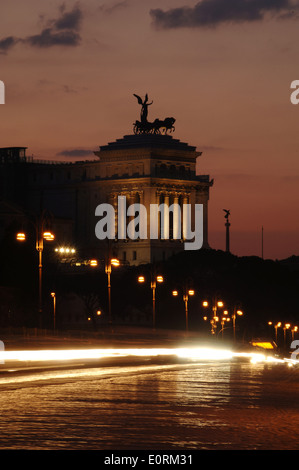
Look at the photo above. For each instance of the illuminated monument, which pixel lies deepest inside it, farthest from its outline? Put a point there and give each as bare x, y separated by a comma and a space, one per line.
148, 166
151, 167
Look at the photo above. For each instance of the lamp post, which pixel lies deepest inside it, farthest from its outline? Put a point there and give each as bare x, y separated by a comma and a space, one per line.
293, 331
278, 325
154, 280
53, 294
214, 320
108, 268
234, 316
186, 294
224, 319
285, 328
41, 234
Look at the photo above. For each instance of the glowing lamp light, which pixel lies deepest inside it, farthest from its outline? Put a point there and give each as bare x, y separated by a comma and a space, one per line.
191, 292
141, 278
220, 303
175, 293
99, 312
48, 236
115, 262
160, 279
21, 236
93, 262
205, 303
239, 312
66, 250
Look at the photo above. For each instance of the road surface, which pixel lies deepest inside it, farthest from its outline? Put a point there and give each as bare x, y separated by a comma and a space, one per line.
151, 405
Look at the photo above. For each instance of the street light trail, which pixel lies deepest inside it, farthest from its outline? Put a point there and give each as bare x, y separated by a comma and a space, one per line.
89, 354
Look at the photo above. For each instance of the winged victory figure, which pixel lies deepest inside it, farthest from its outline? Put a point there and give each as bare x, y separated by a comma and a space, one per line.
144, 105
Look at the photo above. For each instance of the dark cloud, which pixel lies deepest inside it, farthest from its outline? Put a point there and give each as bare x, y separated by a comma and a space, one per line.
70, 20
48, 38
215, 12
75, 153
63, 31
109, 9
7, 43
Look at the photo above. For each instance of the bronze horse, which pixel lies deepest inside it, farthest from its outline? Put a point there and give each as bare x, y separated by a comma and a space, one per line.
156, 127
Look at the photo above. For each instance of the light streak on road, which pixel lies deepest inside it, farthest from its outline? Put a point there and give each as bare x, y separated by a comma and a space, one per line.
81, 354
195, 354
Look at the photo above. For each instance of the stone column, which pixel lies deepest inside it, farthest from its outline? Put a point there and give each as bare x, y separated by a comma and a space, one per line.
113, 202
176, 218
158, 199
185, 216
166, 218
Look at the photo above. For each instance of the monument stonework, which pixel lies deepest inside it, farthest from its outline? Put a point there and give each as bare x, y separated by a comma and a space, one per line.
149, 166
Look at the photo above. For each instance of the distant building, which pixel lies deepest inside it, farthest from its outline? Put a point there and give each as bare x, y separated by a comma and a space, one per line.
145, 168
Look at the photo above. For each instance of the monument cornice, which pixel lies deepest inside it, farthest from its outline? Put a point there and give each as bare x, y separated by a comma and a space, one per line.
159, 184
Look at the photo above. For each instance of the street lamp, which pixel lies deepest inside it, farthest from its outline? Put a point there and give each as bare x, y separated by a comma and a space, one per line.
293, 331
278, 325
154, 280
108, 268
214, 320
65, 251
41, 234
93, 263
234, 316
286, 327
21, 236
186, 294
54, 308
223, 321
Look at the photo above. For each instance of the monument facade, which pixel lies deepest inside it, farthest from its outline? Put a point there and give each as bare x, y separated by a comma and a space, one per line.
149, 166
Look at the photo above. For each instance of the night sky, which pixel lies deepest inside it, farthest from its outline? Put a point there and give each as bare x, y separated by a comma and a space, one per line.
222, 68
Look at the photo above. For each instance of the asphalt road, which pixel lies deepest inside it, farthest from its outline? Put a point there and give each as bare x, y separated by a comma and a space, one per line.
150, 404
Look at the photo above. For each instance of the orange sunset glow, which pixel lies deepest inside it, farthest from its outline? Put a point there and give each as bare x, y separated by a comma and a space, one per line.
222, 69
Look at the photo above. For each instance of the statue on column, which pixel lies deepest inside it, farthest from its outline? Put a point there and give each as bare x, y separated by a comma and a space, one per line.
227, 225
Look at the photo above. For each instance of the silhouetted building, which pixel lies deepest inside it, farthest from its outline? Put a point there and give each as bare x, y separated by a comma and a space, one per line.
145, 168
